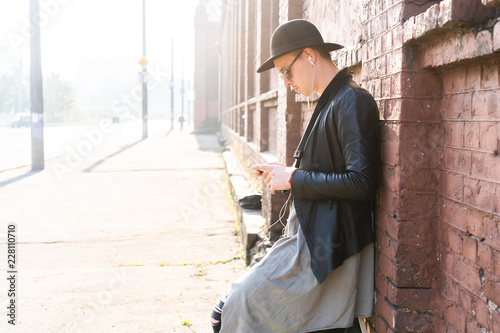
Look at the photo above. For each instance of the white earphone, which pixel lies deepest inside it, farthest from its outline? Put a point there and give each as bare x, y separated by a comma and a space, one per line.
310, 59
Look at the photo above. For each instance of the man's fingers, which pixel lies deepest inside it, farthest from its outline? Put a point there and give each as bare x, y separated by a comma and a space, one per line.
268, 178
264, 167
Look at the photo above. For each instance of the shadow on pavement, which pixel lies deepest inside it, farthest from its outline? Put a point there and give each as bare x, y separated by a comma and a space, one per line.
90, 168
18, 178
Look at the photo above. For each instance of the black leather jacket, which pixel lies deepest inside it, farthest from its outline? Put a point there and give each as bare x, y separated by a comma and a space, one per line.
336, 182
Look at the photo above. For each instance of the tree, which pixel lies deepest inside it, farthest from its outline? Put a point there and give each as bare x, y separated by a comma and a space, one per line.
58, 97
14, 92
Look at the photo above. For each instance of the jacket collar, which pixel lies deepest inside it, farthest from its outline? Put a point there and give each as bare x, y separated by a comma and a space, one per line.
332, 87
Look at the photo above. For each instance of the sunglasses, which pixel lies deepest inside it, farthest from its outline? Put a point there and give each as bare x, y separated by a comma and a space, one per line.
286, 73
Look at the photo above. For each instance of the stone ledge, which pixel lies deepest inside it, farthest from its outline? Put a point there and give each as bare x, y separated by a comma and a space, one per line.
446, 16
491, 3
453, 48
250, 221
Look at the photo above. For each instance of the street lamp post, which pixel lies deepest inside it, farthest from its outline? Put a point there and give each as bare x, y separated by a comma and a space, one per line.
36, 90
172, 86
144, 75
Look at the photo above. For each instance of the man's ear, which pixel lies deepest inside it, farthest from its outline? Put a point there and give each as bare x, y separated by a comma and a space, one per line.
310, 54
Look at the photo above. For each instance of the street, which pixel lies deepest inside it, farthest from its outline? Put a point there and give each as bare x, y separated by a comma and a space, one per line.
60, 140
117, 234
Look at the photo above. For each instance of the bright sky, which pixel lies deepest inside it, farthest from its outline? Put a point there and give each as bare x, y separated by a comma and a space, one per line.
102, 34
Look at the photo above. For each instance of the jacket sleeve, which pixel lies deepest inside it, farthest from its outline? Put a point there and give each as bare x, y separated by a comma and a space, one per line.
357, 127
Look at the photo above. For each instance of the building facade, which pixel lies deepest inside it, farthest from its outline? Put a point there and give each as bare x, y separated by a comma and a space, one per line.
434, 70
206, 112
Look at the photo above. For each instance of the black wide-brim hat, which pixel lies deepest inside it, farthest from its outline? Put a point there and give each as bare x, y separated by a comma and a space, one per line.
293, 35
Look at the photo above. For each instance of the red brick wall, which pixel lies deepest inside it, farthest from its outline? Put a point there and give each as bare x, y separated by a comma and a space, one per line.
469, 236
433, 68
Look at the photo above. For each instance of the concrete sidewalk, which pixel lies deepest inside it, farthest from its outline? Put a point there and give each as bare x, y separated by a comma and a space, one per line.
140, 237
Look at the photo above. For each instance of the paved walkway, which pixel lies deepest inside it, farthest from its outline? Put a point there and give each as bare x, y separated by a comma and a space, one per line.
135, 237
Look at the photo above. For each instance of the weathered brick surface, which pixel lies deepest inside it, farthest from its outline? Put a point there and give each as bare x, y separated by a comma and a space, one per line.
433, 68
471, 195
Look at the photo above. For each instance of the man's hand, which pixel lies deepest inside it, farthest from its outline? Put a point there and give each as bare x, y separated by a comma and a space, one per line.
276, 175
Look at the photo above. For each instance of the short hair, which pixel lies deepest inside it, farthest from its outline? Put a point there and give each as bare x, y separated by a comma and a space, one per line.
322, 51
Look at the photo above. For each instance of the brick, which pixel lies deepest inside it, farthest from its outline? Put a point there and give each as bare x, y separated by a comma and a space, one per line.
456, 106
496, 320
413, 299
473, 74
394, 61
420, 143
381, 326
457, 160
379, 24
387, 267
390, 176
483, 315
387, 224
471, 190
431, 17
484, 104
490, 75
491, 231
486, 196
440, 325
473, 224
389, 201
472, 326
489, 137
386, 87
485, 256
454, 133
397, 35
443, 230
485, 166
467, 301
452, 185
394, 16
381, 284
413, 322
495, 257
492, 288
454, 80
467, 46
389, 131
386, 41
395, 83
455, 317
451, 289
387, 245
496, 37
421, 83
419, 179
484, 43
471, 134
466, 273
455, 241
392, 110
387, 312
364, 12
450, 50
457, 215
470, 248
409, 29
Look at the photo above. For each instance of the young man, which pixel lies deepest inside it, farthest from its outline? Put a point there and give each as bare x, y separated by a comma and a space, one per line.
320, 275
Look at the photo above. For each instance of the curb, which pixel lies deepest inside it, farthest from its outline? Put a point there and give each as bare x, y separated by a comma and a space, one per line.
250, 221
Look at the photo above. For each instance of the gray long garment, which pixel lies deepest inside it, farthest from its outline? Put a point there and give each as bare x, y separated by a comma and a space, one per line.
281, 295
